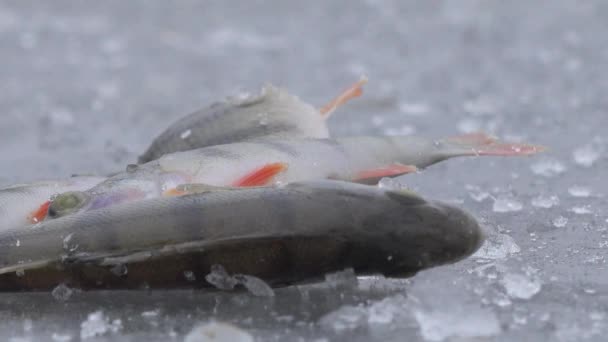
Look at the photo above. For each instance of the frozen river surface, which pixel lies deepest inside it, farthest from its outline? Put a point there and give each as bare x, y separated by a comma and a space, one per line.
85, 86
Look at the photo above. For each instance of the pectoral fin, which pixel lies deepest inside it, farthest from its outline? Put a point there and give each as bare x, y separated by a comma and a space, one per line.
40, 214
373, 175
261, 176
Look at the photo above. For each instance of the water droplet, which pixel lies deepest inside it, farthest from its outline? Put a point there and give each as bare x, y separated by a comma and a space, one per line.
185, 134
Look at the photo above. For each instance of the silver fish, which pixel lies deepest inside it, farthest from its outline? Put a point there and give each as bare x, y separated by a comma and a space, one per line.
272, 113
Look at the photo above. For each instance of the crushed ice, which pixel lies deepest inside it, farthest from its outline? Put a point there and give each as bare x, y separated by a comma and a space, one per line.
521, 286
579, 191
218, 332
586, 155
497, 246
220, 278
548, 168
97, 324
560, 222
506, 204
544, 201
62, 292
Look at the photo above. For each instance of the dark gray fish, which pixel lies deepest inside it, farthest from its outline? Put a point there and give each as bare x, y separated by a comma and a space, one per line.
286, 235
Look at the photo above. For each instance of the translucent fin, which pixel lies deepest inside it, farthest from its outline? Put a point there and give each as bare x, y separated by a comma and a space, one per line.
261, 176
373, 175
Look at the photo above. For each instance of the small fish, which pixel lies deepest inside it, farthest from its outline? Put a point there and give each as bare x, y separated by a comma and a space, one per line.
273, 112
25, 204
279, 161
296, 233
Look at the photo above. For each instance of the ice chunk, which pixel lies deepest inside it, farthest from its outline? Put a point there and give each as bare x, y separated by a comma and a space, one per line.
58, 337
586, 155
224, 281
505, 204
560, 222
579, 191
546, 202
345, 278
476, 193
345, 318
581, 210
98, 324
497, 246
413, 108
218, 332
548, 168
461, 321
220, 278
254, 285
62, 293
189, 275
520, 286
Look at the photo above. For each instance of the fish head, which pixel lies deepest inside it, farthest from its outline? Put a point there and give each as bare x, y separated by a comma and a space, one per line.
422, 234
68, 203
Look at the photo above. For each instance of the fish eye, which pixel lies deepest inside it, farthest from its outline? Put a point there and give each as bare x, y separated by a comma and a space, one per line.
66, 203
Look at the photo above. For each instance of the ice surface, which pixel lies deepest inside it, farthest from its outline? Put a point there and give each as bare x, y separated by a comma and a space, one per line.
218, 332
85, 87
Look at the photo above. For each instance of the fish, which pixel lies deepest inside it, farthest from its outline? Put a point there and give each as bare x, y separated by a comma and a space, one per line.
283, 235
271, 113
24, 204
272, 162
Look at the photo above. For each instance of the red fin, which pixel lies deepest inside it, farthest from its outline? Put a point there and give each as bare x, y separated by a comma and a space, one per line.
477, 138
506, 149
261, 176
40, 214
353, 91
386, 171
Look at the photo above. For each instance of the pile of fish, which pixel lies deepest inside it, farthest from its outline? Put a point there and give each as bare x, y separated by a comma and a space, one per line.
253, 185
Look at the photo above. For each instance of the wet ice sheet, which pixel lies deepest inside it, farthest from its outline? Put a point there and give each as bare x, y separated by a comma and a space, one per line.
86, 87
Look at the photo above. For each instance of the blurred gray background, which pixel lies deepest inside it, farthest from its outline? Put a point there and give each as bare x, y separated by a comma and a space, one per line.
85, 86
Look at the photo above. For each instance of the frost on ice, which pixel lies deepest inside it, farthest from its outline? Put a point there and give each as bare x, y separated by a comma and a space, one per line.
506, 204
218, 332
579, 191
545, 202
548, 168
586, 155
